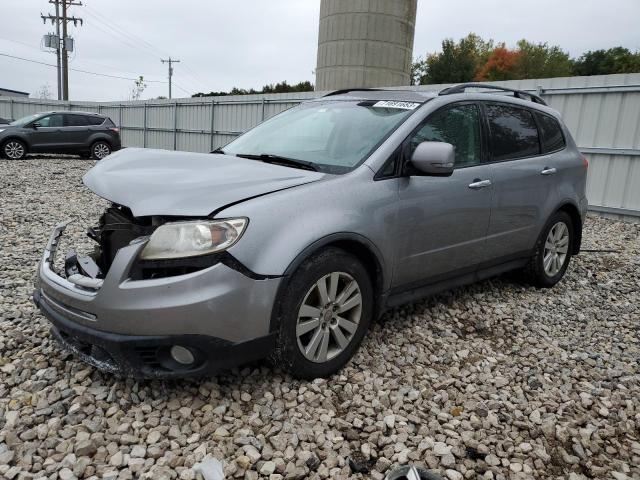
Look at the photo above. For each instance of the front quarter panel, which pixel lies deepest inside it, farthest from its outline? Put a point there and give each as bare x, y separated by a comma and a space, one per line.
284, 224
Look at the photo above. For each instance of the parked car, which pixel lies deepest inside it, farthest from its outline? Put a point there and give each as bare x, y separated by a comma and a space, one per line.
291, 239
81, 133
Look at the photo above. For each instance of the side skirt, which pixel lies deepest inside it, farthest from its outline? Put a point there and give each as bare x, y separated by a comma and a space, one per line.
401, 295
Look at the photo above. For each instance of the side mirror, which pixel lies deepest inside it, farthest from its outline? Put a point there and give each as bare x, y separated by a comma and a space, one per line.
434, 158
35, 125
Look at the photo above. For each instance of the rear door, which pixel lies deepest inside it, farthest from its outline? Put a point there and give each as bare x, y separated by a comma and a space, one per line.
443, 221
76, 130
47, 136
524, 180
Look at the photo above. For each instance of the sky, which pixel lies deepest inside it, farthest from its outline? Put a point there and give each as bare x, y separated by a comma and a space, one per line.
249, 43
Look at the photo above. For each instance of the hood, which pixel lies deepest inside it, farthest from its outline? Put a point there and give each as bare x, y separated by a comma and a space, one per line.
163, 182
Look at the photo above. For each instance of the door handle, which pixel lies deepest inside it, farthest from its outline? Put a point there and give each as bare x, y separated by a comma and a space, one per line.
477, 184
548, 171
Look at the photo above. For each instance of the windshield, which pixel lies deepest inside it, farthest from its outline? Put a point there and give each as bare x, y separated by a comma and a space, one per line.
334, 136
21, 122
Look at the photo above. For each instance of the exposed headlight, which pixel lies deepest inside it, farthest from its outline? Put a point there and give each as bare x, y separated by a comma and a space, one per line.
193, 238
2, 130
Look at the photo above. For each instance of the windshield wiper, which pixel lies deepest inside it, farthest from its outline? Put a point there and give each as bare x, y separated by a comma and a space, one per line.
217, 150
279, 160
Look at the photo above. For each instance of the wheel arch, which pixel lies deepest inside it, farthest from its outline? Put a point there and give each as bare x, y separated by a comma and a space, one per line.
576, 219
16, 137
100, 138
355, 244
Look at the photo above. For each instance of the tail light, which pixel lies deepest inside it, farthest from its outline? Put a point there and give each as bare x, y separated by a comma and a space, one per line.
585, 162
115, 129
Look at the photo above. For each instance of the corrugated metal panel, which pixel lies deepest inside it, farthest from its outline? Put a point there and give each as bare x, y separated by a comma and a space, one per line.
602, 112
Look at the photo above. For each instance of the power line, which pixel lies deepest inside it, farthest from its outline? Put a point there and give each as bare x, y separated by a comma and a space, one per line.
78, 70
82, 60
127, 32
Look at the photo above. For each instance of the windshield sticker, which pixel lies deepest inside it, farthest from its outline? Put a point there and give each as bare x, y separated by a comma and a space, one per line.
393, 104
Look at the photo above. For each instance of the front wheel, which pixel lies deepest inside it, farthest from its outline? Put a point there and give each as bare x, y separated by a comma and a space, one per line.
14, 149
552, 252
100, 149
323, 314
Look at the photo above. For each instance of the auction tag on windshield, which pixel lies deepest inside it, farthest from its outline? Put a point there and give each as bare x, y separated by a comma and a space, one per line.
393, 104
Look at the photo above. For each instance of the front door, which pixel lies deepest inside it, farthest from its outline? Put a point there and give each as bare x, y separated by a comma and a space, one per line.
443, 221
47, 135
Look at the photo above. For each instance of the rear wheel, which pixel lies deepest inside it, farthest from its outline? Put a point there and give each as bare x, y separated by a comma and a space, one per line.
14, 149
552, 252
100, 149
324, 314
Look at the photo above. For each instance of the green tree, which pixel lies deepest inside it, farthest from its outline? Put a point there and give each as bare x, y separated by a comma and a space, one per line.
542, 61
457, 62
605, 62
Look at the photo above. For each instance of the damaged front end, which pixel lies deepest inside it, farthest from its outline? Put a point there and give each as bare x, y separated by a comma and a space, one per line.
126, 314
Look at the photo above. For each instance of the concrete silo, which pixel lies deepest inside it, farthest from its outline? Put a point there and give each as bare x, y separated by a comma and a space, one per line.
365, 43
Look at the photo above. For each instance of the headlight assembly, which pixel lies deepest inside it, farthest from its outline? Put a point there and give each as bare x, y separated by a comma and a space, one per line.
193, 238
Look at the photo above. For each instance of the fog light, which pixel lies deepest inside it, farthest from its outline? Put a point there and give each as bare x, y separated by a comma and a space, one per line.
182, 355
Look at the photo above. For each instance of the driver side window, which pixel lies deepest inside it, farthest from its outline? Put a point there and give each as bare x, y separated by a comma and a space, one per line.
458, 125
51, 121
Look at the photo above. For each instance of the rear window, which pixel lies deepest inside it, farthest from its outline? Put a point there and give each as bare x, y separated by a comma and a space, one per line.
91, 120
551, 133
513, 132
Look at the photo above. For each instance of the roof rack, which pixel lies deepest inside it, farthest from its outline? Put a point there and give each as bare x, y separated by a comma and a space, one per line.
347, 90
516, 93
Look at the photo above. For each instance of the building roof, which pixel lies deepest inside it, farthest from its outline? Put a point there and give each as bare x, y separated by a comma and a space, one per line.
14, 91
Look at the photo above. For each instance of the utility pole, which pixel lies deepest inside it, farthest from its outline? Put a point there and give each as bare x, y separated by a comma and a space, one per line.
58, 52
67, 43
170, 61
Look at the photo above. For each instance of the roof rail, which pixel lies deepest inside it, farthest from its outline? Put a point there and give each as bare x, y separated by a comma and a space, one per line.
347, 90
516, 93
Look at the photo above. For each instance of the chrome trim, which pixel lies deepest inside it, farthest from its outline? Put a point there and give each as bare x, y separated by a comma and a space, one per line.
480, 184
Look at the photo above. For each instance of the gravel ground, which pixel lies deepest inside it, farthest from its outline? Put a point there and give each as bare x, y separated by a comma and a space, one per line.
496, 380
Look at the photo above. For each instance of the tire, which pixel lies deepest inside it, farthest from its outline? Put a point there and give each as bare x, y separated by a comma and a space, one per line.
343, 331
100, 149
541, 271
14, 149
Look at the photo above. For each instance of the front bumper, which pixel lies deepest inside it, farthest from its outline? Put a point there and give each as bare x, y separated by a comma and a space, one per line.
127, 326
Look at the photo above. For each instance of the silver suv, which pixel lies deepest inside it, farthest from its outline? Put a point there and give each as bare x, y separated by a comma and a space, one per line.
291, 239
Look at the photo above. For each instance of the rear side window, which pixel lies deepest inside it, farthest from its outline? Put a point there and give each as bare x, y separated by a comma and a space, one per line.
75, 120
94, 120
110, 123
551, 133
513, 132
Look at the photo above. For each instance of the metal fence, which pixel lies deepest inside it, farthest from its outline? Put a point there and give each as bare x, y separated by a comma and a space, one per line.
602, 112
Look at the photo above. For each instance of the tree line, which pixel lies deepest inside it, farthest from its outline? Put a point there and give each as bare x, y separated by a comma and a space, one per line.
281, 87
475, 59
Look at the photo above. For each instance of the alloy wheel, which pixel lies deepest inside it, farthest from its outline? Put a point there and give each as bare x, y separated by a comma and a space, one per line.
329, 316
14, 150
556, 248
101, 150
